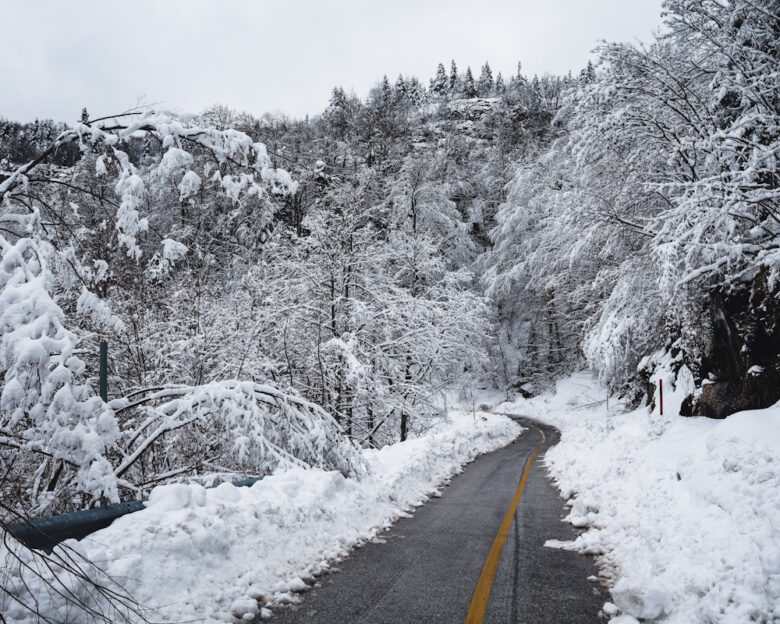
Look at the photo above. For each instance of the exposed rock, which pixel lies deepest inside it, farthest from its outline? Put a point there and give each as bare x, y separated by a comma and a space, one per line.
472, 109
741, 369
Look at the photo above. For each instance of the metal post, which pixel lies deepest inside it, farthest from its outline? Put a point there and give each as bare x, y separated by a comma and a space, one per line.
103, 370
661, 395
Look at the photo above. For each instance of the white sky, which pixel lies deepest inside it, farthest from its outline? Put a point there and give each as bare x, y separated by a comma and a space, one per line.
59, 55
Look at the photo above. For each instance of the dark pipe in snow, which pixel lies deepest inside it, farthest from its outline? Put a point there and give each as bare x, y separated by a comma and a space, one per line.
46, 533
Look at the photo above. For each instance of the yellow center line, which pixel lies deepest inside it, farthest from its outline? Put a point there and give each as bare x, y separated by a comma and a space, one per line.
479, 600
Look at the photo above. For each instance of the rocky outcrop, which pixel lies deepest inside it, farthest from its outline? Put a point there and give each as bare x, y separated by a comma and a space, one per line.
741, 368
472, 109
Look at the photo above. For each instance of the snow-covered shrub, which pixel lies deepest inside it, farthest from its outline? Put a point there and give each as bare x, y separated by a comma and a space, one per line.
228, 427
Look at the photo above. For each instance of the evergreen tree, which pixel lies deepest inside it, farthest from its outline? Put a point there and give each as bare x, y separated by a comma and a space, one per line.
485, 85
588, 74
516, 81
386, 91
337, 114
453, 76
469, 88
415, 91
500, 86
439, 82
401, 93
84, 115
401, 88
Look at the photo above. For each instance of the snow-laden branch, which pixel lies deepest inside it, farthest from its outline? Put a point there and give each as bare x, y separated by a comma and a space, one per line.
252, 429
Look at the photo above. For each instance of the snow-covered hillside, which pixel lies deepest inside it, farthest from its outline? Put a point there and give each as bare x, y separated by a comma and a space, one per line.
227, 552
684, 513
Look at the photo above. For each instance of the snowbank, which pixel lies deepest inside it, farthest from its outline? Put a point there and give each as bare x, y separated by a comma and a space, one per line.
229, 552
684, 512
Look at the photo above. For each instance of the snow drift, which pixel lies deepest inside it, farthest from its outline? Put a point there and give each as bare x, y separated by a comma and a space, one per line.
682, 512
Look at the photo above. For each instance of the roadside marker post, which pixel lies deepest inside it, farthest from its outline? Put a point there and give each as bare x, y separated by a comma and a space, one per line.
103, 381
661, 396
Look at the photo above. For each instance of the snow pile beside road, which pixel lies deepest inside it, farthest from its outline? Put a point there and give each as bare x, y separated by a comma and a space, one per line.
685, 512
229, 552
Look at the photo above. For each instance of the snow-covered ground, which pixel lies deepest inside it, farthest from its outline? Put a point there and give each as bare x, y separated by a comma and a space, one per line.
683, 512
228, 552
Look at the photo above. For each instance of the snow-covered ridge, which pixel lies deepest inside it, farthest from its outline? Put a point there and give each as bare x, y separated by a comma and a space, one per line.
683, 512
227, 552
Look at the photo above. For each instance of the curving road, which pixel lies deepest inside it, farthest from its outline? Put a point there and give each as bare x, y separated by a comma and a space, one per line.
436, 565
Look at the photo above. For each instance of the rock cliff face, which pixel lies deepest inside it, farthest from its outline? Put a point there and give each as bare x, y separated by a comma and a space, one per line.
472, 109
731, 359
741, 368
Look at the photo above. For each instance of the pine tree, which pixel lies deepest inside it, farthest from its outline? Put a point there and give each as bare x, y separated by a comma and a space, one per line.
469, 88
439, 82
84, 115
337, 113
453, 76
387, 90
415, 91
400, 87
500, 86
401, 93
588, 74
485, 85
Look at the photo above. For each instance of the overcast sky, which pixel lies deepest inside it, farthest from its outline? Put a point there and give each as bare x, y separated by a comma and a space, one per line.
59, 55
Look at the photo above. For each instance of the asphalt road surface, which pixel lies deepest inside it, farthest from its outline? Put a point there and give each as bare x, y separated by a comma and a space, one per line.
432, 566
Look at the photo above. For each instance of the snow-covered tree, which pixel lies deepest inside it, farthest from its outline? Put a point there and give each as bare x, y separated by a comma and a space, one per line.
485, 86
439, 81
58, 437
500, 86
469, 87
661, 193
453, 78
